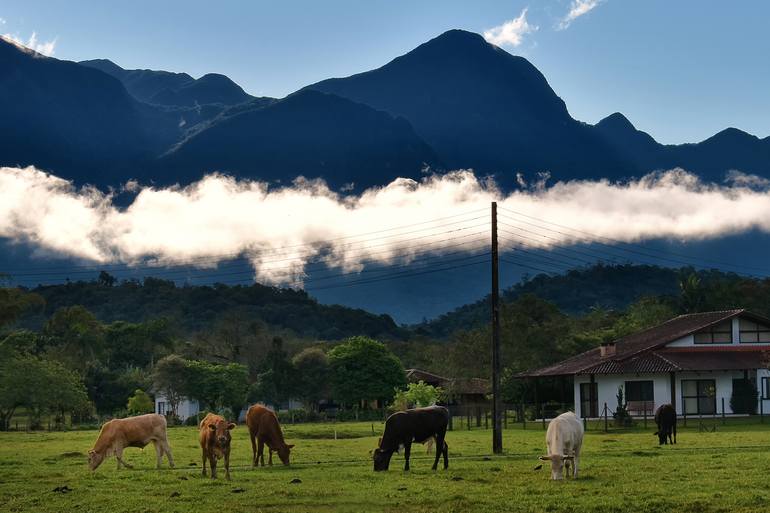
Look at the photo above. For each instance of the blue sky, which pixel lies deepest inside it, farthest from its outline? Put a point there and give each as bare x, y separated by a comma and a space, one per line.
680, 70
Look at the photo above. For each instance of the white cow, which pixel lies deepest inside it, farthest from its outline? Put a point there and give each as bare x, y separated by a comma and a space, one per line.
564, 439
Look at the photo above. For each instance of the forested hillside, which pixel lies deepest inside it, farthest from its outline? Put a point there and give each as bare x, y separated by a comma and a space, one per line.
193, 309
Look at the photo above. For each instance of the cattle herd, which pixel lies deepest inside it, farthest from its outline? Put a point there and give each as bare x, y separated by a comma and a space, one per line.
564, 438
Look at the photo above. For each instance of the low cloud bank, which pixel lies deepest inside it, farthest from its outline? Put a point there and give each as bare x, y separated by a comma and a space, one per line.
281, 230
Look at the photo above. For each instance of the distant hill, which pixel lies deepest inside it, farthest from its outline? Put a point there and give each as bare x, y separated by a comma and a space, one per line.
311, 134
142, 84
192, 309
576, 292
211, 88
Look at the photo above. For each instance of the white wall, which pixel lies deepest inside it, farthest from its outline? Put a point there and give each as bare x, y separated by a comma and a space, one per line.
689, 340
607, 387
185, 409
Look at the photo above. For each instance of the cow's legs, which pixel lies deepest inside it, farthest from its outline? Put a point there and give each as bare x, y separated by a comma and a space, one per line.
167, 450
253, 449
269, 456
227, 464
203, 451
407, 450
440, 449
119, 457
213, 465
158, 452
575, 463
674, 429
261, 452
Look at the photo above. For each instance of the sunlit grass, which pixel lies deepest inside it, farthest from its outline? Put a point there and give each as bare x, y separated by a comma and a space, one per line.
727, 470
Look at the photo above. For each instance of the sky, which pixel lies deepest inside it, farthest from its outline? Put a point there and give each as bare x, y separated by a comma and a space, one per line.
681, 71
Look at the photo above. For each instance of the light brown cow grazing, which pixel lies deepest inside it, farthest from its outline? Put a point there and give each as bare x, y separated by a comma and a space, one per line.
264, 429
215, 442
117, 434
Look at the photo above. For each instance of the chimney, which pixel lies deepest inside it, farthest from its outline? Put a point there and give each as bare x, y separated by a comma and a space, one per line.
607, 349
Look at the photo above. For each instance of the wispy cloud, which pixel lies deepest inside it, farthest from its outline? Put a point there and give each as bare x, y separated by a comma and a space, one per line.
577, 9
2, 21
512, 32
219, 217
42, 47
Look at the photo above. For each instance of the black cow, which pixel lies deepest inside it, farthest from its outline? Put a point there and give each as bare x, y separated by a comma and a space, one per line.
665, 418
417, 425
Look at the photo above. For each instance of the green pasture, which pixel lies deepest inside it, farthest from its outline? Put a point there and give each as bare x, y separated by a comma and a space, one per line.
622, 471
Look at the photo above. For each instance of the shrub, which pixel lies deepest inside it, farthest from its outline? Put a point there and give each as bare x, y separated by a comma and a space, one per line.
744, 398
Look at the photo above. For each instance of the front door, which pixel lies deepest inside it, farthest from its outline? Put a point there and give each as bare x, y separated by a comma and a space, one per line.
589, 400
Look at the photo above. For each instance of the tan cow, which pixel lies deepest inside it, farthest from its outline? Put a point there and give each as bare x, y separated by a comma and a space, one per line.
117, 434
215, 442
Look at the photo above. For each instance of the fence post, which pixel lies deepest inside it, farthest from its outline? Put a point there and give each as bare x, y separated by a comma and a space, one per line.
486, 420
468, 418
585, 423
761, 410
606, 425
451, 417
684, 416
523, 418
644, 409
542, 414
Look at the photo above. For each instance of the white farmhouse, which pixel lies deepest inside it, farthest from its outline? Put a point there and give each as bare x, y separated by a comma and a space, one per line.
692, 361
185, 409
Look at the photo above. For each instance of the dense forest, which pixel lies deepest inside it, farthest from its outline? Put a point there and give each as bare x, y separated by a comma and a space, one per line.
101, 346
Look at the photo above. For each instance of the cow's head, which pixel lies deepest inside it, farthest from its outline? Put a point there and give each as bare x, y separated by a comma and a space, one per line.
381, 459
94, 459
557, 465
661, 437
284, 452
221, 431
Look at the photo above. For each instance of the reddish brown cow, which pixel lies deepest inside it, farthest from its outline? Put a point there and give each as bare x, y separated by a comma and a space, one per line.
215, 442
117, 434
265, 429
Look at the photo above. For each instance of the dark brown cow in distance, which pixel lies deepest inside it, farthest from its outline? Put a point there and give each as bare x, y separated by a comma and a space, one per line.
215, 443
417, 425
665, 418
265, 429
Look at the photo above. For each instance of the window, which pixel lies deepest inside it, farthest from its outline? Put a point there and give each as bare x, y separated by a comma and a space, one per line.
752, 332
699, 396
589, 400
765, 388
720, 333
161, 408
639, 391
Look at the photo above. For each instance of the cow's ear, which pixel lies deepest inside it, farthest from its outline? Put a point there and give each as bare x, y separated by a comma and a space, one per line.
231, 425
213, 427
91, 451
544, 458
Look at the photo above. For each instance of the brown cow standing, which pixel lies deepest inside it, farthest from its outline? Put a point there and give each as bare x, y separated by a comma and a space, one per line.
265, 429
117, 434
215, 443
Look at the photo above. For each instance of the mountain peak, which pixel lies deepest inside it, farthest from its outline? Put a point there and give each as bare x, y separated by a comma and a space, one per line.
616, 121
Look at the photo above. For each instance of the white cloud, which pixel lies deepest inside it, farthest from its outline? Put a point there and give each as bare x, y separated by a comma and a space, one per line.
279, 230
577, 9
511, 32
46, 48
2, 21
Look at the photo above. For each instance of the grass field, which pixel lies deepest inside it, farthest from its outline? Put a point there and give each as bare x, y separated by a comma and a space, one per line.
727, 471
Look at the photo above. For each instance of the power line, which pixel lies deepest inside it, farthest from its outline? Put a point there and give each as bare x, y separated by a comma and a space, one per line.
624, 243
224, 256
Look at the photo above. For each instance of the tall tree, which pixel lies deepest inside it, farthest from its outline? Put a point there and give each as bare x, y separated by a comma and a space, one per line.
312, 371
170, 379
364, 369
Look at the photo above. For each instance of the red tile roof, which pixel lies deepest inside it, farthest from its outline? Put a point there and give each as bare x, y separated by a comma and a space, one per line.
644, 352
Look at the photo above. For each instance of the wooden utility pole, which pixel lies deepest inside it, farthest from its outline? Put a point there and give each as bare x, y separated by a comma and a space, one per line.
497, 403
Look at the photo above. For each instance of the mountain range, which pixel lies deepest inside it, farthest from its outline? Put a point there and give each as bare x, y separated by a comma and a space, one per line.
455, 101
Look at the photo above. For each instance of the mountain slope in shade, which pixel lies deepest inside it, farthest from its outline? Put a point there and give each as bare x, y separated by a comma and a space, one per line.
310, 134
481, 107
143, 84
68, 118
